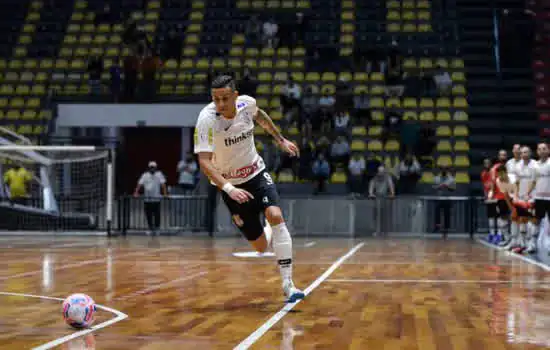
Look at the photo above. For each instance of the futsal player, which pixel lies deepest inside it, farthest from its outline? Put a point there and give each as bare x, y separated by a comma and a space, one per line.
541, 189
525, 175
224, 142
491, 203
503, 212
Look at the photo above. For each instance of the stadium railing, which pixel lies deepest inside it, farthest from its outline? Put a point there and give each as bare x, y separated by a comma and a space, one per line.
309, 216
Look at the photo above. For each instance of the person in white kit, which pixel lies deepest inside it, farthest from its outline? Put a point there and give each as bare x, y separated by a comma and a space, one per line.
511, 240
524, 177
224, 142
512, 163
541, 187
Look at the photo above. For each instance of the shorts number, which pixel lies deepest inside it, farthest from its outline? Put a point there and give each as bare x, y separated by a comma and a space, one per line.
268, 178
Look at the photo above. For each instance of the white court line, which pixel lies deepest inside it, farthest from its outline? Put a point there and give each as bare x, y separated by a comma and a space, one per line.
50, 345
161, 285
515, 255
310, 244
70, 266
433, 281
258, 333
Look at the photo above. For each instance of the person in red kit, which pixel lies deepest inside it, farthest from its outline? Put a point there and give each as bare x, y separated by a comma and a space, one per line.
491, 203
496, 193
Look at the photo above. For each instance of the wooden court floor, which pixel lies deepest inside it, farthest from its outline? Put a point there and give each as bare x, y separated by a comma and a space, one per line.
184, 293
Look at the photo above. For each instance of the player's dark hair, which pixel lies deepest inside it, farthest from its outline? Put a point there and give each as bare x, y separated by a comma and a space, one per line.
223, 81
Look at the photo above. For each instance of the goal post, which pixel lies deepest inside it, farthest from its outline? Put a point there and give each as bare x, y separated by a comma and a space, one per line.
66, 188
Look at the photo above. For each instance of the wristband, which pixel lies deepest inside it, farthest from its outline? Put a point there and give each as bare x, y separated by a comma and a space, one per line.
227, 188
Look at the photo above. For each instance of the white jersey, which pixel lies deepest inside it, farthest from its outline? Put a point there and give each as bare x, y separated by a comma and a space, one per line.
542, 176
511, 169
230, 140
525, 176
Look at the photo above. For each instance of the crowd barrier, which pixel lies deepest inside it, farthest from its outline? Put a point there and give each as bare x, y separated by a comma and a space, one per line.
330, 216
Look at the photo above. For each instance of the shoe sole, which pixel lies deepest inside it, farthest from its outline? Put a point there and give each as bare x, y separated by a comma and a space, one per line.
295, 297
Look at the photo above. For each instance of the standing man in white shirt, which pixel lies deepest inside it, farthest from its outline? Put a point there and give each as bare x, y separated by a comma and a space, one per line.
541, 188
512, 163
356, 168
224, 142
153, 183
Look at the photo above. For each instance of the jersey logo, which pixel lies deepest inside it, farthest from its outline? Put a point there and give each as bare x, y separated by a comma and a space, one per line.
241, 105
230, 141
265, 200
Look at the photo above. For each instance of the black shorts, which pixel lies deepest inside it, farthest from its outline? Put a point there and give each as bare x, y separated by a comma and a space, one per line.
522, 212
492, 211
265, 195
503, 209
542, 208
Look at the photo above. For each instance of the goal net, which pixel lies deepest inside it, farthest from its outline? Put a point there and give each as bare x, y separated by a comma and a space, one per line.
54, 188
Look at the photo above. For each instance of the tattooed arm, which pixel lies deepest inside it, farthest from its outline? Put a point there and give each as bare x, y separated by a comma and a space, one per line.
267, 124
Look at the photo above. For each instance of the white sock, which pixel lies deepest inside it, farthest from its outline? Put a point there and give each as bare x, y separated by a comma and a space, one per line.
282, 246
492, 229
532, 229
268, 232
515, 229
503, 226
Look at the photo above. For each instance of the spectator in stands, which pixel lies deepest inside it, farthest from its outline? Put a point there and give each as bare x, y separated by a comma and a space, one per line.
340, 151
187, 170
131, 66
306, 159
106, 16
392, 125
248, 84
341, 124
95, 68
356, 170
344, 95
153, 184
173, 45
410, 133
381, 185
314, 62
149, 66
361, 105
253, 30
286, 162
310, 104
443, 82
394, 72
16, 182
326, 110
323, 145
372, 165
270, 30
408, 173
299, 29
291, 95
321, 173
444, 184
115, 73
427, 142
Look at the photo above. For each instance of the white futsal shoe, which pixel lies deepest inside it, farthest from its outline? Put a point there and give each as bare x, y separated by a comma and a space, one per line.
292, 293
532, 245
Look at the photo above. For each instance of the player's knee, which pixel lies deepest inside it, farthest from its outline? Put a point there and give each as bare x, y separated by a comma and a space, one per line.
274, 215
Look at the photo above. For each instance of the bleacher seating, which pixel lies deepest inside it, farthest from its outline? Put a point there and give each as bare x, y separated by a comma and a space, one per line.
52, 48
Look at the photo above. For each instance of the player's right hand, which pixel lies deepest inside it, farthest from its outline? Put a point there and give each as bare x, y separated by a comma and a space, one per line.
240, 196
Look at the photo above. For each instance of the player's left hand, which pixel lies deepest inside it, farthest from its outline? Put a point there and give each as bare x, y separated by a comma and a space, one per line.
289, 147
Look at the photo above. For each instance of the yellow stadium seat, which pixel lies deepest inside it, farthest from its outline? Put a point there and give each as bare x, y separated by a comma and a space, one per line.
457, 63
30, 64
360, 76
443, 131
409, 102
391, 146
410, 115
359, 131
171, 64
358, 146
236, 51
426, 103
61, 64
461, 131
299, 52
280, 77
427, 178
377, 102
374, 146
375, 130
442, 62
23, 90
3, 102
275, 102
377, 77
458, 77
276, 115
393, 16
393, 27
443, 102
424, 27
377, 116
283, 51
346, 76
462, 162
312, 77
33, 102
285, 177
359, 89
266, 64
460, 102
78, 64
425, 63
460, 116
15, 64
393, 102
234, 63
426, 116
459, 90
424, 15
202, 64
462, 146
13, 114
409, 63
443, 116
293, 131
444, 161
377, 90
29, 115
328, 76
6, 89
409, 28
263, 89
38, 89
264, 76
188, 51
444, 146
262, 102
11, 77
186, 64
462, 178
168, 77
339, 178
281, 64
17, 102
